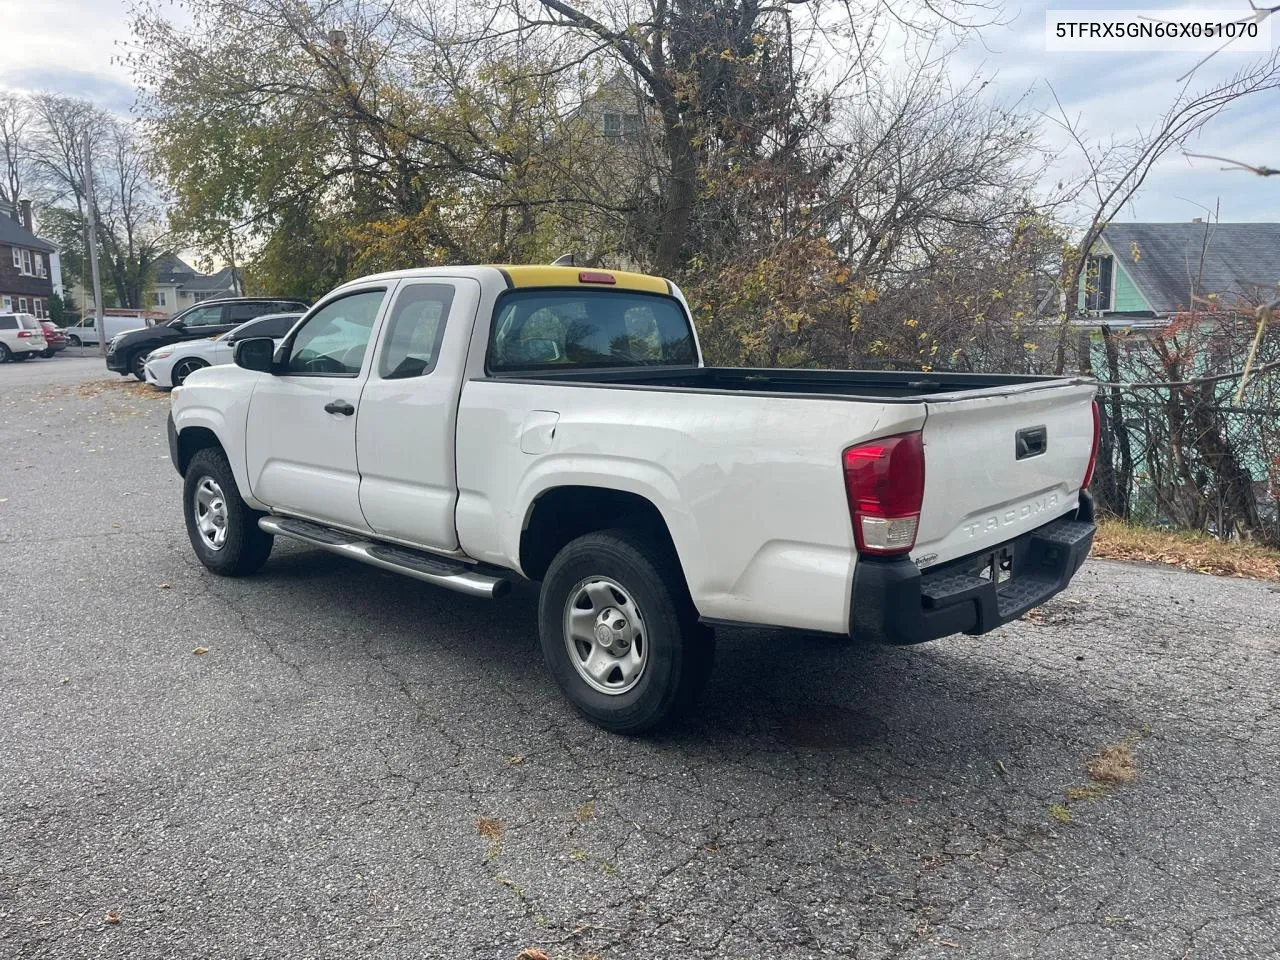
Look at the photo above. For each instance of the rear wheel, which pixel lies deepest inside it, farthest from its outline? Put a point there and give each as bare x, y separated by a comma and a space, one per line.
619, 632
48, 353
185, 368
224, 531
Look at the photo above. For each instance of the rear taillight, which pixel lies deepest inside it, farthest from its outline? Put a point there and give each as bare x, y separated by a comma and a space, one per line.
885, 483
23, 334
1093, 452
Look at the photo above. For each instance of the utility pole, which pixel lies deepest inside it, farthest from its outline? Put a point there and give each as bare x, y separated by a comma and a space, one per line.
93, 246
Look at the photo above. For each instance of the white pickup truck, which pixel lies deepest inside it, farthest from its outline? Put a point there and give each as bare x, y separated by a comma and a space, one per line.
467, 426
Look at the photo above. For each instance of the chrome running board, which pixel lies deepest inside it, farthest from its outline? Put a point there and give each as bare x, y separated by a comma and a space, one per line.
418, 564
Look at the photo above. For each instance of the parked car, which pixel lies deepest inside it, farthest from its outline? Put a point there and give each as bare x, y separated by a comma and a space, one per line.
84, 333
128, 352
466, 426
20, 337
170, 365
54, 337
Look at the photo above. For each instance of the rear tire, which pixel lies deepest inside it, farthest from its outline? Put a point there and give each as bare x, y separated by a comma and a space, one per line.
640, 592
224, 531
48, 354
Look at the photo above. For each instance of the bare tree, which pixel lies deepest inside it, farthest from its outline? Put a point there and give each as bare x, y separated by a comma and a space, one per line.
15, 147
131, 218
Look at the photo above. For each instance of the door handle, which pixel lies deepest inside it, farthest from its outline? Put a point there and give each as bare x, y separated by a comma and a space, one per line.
339, 406
1030, 442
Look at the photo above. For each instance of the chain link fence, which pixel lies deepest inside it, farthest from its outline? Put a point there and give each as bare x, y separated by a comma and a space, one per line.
1201, 466
1179, 450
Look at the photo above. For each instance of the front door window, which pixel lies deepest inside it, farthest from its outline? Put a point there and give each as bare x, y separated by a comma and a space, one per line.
333, 340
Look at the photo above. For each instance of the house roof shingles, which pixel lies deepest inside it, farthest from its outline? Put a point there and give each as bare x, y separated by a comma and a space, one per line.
214, 283
14, 234
171, 268
1240, 260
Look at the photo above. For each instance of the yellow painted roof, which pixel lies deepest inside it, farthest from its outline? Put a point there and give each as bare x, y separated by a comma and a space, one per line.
540, 276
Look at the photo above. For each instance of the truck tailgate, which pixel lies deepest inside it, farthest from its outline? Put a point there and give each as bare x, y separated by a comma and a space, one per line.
999, 464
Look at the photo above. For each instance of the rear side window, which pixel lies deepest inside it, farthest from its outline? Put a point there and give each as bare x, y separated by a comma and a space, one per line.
240, 312
8, 323
564, 329
30, 323
412, 341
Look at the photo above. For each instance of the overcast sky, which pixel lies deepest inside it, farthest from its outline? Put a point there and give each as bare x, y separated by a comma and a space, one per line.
68, 46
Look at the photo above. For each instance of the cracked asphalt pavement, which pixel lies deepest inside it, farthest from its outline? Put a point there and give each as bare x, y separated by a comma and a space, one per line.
362, 765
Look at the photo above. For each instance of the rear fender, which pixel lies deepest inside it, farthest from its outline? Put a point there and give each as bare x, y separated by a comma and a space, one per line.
641, 478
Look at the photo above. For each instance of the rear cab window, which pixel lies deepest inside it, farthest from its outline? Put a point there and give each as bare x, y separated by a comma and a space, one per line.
562, 329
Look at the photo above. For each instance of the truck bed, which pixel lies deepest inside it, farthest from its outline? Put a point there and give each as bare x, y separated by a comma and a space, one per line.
884, 386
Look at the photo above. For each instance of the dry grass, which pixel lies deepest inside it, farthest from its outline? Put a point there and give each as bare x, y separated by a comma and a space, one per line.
1060, 813
1112, 765
489, 827
1203, 554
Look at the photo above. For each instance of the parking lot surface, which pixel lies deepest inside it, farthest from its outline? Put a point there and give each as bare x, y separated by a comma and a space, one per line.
360, 765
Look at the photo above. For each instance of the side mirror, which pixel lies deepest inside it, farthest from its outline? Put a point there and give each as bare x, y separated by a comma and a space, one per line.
255, 353
177, 324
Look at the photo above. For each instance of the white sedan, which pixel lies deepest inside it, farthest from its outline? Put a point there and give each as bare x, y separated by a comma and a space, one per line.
169, 365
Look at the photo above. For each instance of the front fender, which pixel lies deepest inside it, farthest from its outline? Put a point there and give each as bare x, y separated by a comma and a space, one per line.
217, 399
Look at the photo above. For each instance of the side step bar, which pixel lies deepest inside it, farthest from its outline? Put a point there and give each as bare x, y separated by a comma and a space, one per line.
441, 571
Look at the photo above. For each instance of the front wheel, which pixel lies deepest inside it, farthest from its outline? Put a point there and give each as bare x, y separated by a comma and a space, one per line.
73, 340
184, 369
619, 632
137, 366
224, 531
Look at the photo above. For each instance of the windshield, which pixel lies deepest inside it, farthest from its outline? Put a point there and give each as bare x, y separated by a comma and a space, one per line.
565, 329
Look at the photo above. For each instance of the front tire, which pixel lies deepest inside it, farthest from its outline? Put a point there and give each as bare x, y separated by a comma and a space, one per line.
224, 531
138, 363
619, 631
184, 369
5, 354
74, 340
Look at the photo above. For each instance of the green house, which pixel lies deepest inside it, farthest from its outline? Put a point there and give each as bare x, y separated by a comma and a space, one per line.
1140, 274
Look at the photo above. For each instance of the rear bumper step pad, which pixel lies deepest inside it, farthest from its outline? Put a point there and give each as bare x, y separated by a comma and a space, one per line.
894, 602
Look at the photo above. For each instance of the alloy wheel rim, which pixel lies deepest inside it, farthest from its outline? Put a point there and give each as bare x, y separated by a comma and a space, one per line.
184, 370
209, 507
605, 635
